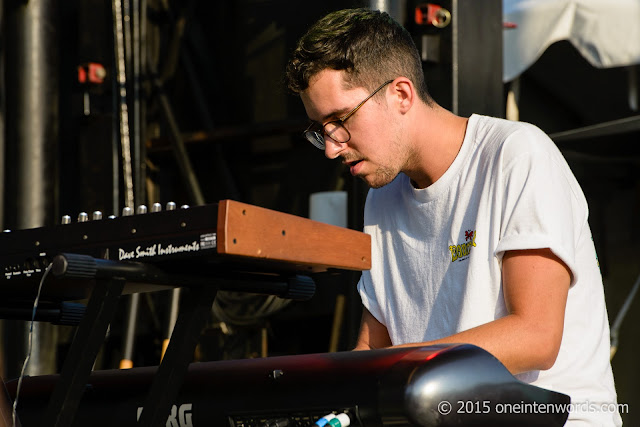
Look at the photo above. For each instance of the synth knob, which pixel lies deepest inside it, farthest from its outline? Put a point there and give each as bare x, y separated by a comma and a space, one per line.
184, 207
96, 215
83, 217
171, 206
142, 209
71, 313
6, 230
66, 219
74, 266
127, 211
301, 288
112, 217
157, 207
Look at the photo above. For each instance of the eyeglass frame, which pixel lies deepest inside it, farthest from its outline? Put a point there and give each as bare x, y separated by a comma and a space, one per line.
320, 143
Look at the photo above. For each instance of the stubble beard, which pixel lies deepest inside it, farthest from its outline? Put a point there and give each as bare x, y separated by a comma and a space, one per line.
381, 177
385, 174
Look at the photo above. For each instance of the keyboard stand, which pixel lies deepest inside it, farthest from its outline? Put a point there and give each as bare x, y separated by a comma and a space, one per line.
110, 279
195, 306
82, 354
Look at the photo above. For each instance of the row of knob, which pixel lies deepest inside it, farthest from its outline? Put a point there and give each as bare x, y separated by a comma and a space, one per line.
29, 266
127, 211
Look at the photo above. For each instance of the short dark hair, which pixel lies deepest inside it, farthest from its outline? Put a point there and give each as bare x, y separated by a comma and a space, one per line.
367, 44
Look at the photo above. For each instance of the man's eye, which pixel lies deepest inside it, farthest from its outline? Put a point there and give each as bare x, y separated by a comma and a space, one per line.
315, 126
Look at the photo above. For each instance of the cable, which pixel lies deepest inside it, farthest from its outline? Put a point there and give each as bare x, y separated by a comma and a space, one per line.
29, 346
333, 420
242, 309
325, 420
124, 113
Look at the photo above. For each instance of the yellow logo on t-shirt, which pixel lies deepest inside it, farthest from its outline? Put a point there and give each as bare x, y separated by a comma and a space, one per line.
461, 251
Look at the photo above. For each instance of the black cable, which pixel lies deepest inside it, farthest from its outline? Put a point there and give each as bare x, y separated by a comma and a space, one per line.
29, 347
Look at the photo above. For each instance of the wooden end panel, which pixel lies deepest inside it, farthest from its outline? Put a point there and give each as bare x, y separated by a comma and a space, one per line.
255, 232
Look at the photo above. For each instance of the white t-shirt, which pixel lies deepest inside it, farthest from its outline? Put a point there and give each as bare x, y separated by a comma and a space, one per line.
437, 254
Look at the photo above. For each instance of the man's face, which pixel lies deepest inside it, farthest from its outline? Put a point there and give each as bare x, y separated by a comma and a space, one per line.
374, 152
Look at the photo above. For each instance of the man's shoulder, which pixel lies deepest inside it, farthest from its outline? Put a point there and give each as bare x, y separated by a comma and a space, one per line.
504, 129
509, 138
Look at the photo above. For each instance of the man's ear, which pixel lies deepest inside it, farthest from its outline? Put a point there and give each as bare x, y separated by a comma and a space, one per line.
404, 94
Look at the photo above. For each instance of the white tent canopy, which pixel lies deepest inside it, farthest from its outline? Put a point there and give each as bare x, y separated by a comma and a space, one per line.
605, 32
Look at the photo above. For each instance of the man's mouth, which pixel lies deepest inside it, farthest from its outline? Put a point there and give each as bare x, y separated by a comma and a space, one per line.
353, 166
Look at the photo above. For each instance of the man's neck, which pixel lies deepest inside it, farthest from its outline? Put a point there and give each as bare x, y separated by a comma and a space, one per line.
438, 137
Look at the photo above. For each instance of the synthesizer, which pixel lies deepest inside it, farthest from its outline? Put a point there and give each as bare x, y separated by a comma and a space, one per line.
225, 239
444, 385
224, 246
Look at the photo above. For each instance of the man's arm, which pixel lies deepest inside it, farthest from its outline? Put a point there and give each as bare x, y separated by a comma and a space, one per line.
535, 285
373, 334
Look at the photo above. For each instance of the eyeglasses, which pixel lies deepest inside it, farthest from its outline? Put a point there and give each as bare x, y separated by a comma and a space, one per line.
335, 129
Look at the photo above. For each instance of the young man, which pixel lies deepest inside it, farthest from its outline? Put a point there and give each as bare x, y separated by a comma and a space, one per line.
479, 229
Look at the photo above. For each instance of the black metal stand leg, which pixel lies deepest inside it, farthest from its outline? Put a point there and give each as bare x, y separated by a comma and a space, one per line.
82, 354
196, 305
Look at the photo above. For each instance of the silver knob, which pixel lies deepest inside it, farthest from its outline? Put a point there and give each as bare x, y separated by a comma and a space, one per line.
127, 211
112, 217
66, 219
96, 215
171, 206
157, 207
142, 209
184, 207
83, 217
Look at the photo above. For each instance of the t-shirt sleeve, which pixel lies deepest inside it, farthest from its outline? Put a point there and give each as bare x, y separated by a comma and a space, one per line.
542, 205
368, 297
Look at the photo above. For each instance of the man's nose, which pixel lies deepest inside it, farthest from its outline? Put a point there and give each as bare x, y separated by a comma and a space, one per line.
333, 149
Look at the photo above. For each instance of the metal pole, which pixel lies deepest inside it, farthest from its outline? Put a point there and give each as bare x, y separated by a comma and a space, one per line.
32, 88
396, 8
